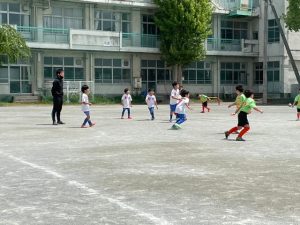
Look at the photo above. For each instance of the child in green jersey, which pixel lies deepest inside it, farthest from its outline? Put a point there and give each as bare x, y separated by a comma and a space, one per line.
203, 100
240, 98
243, 111
297, 102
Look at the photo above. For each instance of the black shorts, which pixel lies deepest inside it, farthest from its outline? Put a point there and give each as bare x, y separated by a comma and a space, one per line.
298, 110
204, 104
242, 119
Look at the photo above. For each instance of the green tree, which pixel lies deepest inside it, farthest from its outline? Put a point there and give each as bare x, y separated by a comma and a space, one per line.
12, 44
292, 18
184, 26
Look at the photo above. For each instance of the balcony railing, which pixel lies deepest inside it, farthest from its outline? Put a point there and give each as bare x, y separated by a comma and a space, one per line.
42, 34
236, 4
214, 44
140, 40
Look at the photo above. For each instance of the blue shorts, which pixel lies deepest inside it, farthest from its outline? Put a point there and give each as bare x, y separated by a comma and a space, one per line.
173, 107
87, 113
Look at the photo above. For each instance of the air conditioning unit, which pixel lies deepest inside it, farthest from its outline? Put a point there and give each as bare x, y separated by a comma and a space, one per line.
138, 83
126, 63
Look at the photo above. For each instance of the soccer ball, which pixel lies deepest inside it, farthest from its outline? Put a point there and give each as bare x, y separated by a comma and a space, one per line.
290, 104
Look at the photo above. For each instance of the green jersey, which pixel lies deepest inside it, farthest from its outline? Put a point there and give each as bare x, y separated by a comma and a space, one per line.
297, 100
239, 100
248, 105
203, 98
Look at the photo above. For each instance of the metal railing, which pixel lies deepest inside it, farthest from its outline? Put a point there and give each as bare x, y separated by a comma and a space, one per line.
42, 34
215, 44
230, 5
140, 40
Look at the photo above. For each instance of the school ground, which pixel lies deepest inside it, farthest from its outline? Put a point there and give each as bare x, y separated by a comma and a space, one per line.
136, 172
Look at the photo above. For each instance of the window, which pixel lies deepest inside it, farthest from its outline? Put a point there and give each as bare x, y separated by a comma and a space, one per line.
197, 73
111, 71
153, 72
11, 13
64, 18
73, 67
148, 25
273, 71
233, 73
258, 73
273, 31
234, 30
111, 21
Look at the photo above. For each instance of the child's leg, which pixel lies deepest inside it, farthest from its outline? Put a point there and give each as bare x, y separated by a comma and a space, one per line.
244, 131
172, 111
151, 110
128, 110
298, 113
203, 107
87, 119
123, 112
180, 118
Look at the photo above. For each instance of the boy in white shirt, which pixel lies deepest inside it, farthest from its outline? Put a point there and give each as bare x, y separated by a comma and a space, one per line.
126, 103
180, 109
174, 98
85, 106
151, 102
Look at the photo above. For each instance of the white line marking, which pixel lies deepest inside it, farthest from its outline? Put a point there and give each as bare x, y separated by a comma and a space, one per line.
90, 191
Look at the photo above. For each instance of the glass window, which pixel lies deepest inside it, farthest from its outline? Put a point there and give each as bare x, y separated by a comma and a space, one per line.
3, 74
14, 7
233, 73
234, 29
273, 31
197, 73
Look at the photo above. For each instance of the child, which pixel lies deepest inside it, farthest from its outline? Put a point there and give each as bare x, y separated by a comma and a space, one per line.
243, 110
151, 101
180, 109
297, 101
85, 106
126, 103
203, 100
240, 98
174, 98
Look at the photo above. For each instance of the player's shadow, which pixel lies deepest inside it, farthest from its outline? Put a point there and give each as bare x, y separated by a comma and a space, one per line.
140, 120
45, 124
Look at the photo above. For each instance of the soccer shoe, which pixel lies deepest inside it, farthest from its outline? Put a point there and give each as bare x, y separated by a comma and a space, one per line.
130, 118
240, 139
174, 127
82, 126
226, 134
122, 117
152, 118
54, 123
202, 112
93, 124
60, 122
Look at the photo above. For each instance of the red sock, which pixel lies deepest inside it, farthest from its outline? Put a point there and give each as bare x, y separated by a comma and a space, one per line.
202, 108
244, 131
298, 115
232, 130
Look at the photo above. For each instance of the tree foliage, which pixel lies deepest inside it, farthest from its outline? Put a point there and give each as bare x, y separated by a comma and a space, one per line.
184, 26
12, 44
292, 18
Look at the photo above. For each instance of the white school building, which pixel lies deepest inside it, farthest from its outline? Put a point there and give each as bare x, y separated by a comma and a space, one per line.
115, 44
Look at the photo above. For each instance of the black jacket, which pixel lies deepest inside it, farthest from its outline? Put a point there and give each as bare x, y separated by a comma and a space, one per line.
57, 88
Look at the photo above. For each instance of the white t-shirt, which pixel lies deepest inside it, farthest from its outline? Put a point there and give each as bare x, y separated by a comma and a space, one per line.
180, 108
174, 93
126, 99
85, 107
150, 99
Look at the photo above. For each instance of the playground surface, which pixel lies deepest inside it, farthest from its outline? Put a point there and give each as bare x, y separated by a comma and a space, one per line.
136, 172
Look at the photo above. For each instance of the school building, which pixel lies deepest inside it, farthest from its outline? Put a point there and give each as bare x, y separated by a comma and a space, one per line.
115, 44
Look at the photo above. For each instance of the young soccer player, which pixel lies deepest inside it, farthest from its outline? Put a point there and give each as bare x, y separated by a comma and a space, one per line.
174, 98
297, 102
244, 110
85, 106
126, 103
180, 109
151, 102
204, 99
240, 98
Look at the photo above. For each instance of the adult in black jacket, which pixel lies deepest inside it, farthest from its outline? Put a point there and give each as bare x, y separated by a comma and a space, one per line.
58, 96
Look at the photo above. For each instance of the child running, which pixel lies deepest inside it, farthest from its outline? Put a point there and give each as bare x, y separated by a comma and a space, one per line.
126, 103
204, 99
85, 106
151, 102
180, 109
243, 110
174, 98
297, 102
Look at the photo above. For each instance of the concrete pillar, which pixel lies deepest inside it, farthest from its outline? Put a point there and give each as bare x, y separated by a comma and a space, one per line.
136, 66
250, 74
215, 75
37, 72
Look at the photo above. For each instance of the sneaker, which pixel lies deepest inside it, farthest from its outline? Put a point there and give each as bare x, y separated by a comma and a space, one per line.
226, 134
54, 123
240, 139
60, 122
130, 118
82, 126
202, 112
208, 109
170, 120
93, 124
174, 127
152, 118
122, 118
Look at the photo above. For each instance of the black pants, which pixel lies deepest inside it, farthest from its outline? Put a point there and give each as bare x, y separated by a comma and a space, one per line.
57, 107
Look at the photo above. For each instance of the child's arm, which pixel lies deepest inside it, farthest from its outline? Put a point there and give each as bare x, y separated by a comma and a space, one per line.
258, 110
231, 105
188, 106
237, 110
295, 102
156, 104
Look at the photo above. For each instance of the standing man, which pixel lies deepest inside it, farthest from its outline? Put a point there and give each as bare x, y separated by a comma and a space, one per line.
58, 96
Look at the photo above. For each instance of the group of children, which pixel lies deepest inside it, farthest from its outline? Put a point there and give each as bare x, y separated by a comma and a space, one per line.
179, 101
